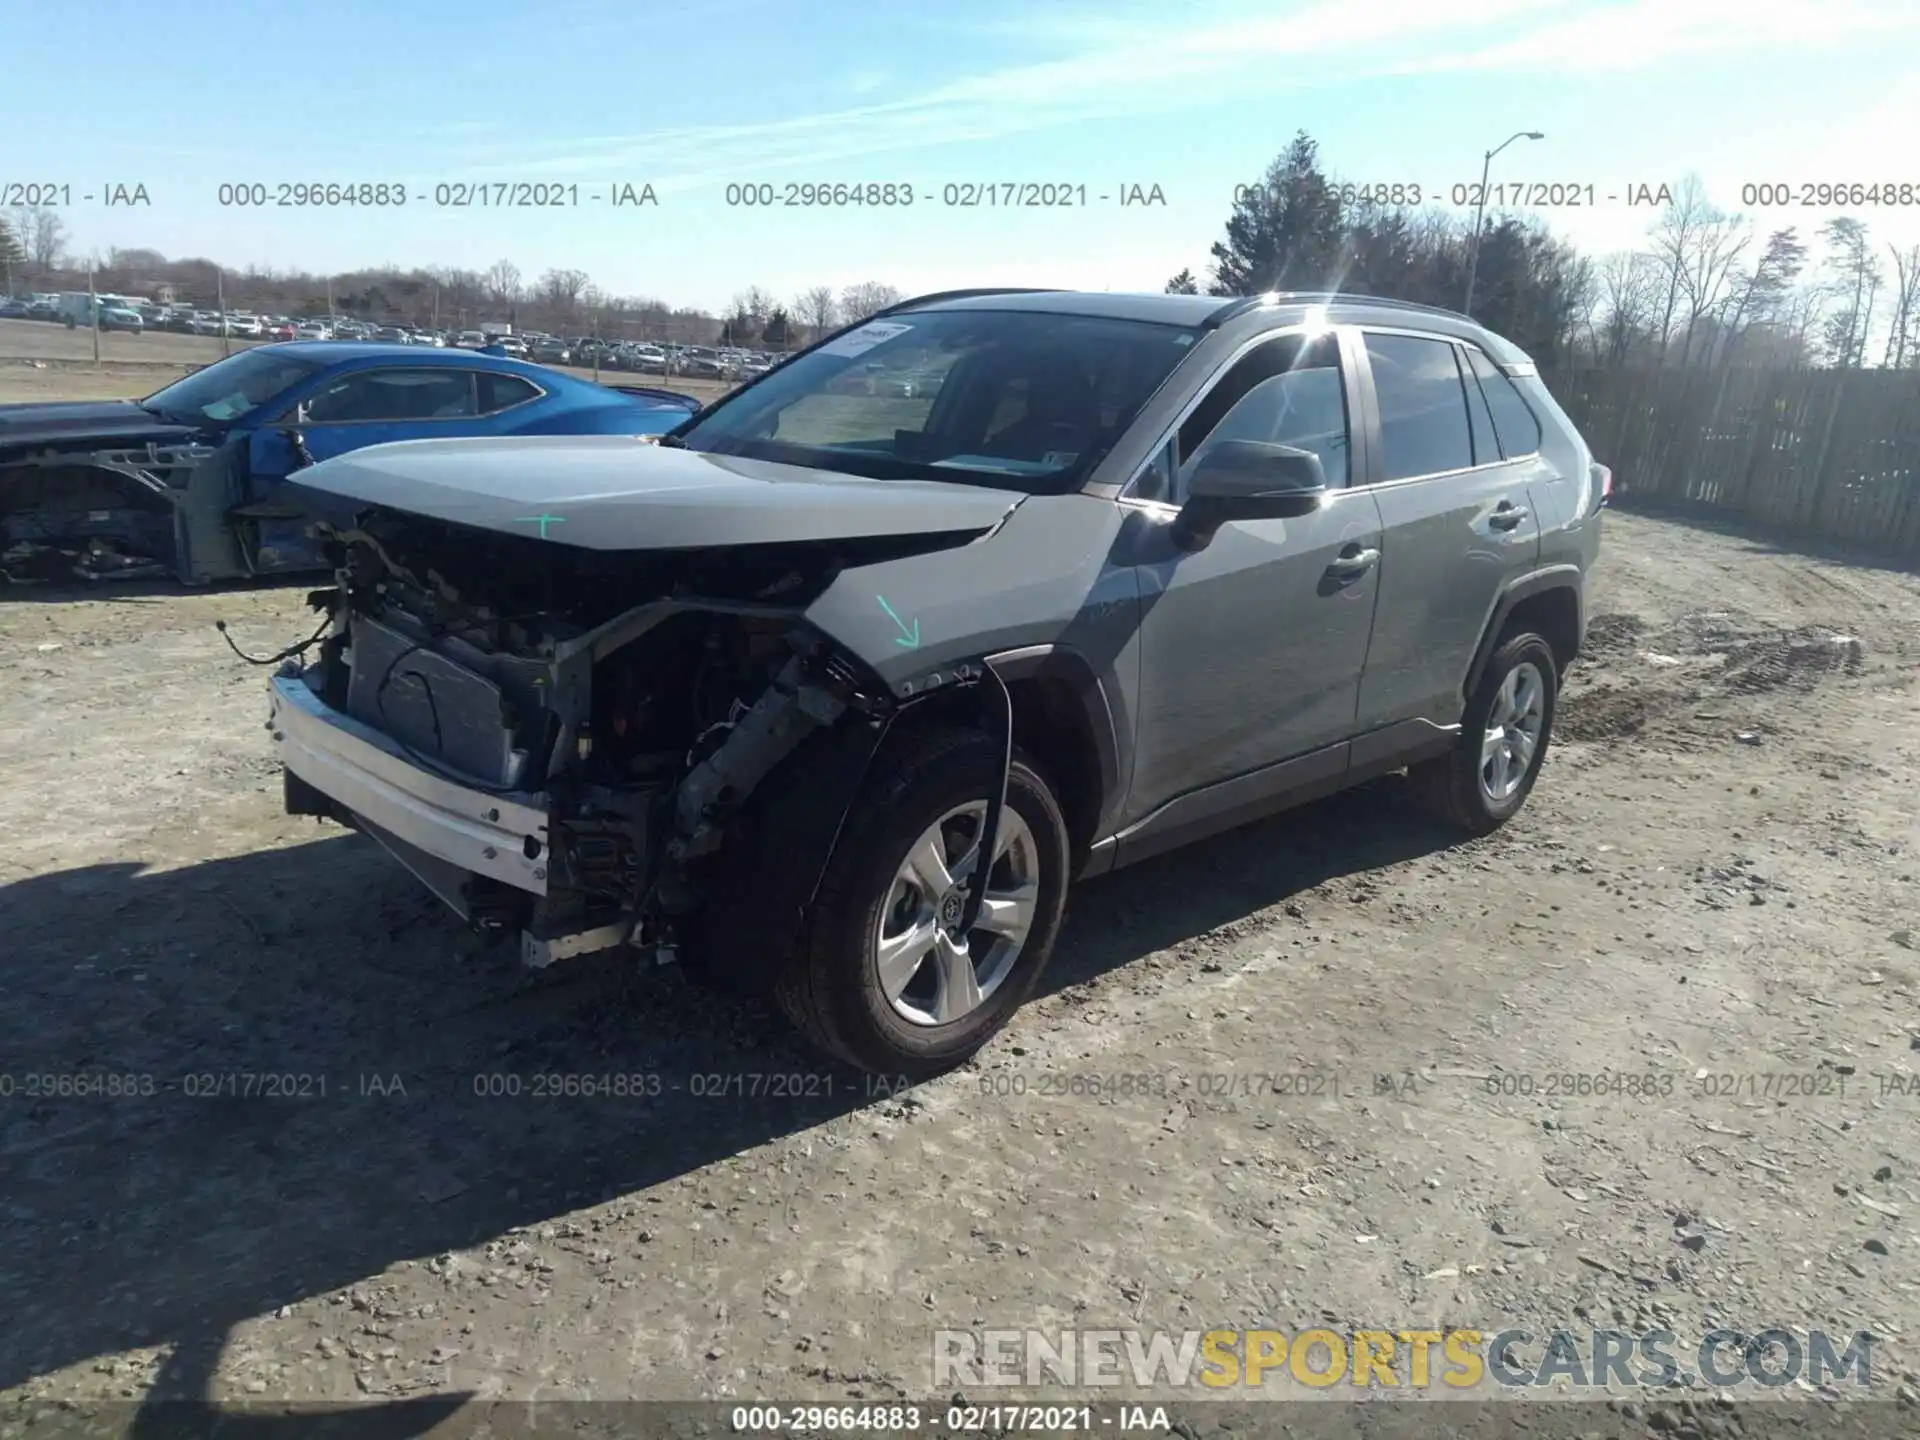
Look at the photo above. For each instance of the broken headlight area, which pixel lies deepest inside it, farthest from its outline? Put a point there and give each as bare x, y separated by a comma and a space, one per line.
554, 739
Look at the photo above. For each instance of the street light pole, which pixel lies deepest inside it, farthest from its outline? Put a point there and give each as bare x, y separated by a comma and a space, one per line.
1480, 213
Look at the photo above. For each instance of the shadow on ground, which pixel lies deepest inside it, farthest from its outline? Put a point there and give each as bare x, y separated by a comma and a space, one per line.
166, 1218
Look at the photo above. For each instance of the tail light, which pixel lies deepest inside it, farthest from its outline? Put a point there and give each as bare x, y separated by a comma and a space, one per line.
1602, 484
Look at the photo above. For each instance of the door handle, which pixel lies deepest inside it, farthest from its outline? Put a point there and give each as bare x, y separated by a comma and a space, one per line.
1352, 562
1507, 516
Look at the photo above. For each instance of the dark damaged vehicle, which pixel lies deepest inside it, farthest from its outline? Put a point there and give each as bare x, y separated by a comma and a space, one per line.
833, 689
187, 483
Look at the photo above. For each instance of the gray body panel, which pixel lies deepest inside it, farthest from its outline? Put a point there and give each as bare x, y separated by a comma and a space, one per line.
615, 492
1251, 652
1443, 569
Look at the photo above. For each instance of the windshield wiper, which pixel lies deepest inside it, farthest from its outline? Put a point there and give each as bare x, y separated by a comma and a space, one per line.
671, 442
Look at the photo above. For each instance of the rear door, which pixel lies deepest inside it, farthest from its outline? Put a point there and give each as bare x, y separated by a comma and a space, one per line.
1458, 524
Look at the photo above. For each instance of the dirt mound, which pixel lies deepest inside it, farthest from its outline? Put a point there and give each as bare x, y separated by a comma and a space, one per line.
1604, 712
1612, 634
1639, 674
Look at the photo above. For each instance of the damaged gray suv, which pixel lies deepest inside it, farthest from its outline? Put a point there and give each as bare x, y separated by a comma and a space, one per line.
831, 691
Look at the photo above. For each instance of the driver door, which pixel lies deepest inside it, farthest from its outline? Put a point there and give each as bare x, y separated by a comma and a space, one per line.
1252, 648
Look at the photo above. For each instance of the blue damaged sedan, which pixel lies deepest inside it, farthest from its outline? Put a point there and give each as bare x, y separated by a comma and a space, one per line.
188, 483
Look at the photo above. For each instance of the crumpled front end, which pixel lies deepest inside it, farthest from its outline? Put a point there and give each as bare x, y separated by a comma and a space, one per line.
556, 740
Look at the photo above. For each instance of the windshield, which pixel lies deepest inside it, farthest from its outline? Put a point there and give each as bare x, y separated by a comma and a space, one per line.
1013, 399
231, 388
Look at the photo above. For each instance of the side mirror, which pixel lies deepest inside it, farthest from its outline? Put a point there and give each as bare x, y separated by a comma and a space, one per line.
1248, 480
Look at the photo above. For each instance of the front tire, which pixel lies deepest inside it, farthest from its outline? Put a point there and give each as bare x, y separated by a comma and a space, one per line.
1484, 780
882, 979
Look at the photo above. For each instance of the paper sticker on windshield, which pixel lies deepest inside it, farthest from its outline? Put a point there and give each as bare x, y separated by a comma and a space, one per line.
1059, 459
858, 342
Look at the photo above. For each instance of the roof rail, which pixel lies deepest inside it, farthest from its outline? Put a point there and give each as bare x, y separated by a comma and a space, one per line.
968, 295
1325, 297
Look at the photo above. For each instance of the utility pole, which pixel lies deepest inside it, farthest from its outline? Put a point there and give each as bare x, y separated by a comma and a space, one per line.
93, 315
220, 303
1480, 214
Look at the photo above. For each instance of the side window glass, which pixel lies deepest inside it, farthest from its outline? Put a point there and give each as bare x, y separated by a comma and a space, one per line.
1486, 449
1423, 406
499, 392
1513, 419
1286, 392
394, 395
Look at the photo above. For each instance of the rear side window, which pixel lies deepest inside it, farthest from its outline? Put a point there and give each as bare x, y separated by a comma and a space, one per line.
1423, 406
1486, 449
500, 392
377, 395
1513, 418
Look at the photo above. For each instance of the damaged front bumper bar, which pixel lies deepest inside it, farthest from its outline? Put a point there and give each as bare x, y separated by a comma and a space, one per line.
441, 830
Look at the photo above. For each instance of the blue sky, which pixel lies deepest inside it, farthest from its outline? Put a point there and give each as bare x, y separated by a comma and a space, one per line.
1189, 95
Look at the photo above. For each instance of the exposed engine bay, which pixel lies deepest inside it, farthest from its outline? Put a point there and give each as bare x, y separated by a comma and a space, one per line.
634, 699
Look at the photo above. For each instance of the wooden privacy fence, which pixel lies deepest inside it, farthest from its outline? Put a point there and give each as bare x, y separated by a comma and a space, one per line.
1831, 454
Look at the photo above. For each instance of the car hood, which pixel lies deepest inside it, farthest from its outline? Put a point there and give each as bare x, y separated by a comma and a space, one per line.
85, 420
616, 492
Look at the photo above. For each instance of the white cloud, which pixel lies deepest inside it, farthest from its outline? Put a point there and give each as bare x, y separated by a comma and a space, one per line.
1126, 63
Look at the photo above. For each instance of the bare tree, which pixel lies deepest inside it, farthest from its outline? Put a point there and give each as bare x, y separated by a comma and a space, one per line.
1673, 237
42, 234
1903, 341
1855, 276
869, 297
754, 305
1715, 250
1757, 299
13, 257
560, 291
818, 310
502, 282
1630, 285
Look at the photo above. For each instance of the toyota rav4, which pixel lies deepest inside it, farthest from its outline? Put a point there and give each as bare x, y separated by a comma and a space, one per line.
832, 690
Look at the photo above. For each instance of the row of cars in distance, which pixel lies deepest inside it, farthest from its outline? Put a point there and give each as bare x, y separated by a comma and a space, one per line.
136, 314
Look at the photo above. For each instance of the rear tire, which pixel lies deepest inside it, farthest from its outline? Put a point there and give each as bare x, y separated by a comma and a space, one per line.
1483, 781
833, 989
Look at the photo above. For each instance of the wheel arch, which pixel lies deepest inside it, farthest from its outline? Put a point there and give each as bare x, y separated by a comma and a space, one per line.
1548, 601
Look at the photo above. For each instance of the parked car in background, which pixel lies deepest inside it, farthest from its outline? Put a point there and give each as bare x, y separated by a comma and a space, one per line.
282, 330
246, 327
471, 339
393, 335
12, 308
312, 330
205, 322
119, 317
549, 351
189, 481
43, 309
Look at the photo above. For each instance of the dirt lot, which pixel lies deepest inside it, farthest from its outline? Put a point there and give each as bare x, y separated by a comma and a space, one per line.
1712, 885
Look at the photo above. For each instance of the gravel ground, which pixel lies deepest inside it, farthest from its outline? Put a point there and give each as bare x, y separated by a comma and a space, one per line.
1713, 884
